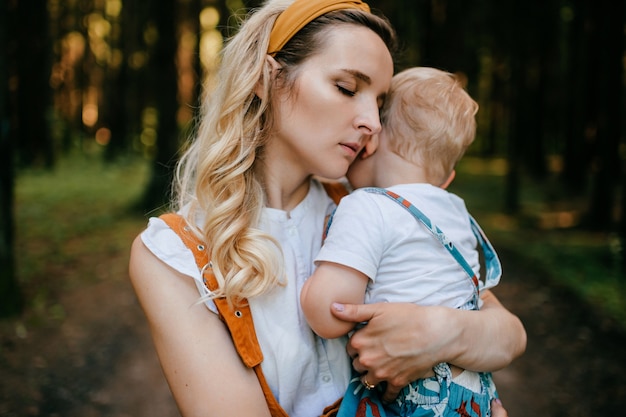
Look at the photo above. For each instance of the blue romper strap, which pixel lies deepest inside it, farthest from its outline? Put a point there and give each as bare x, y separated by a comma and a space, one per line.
493, 266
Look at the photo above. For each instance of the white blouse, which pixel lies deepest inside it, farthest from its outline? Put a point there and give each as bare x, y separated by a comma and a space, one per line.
306, 373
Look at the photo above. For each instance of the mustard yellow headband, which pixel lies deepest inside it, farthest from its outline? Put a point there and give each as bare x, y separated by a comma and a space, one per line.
301, 12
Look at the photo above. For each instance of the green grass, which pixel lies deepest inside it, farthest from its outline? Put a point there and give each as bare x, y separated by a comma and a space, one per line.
74, 226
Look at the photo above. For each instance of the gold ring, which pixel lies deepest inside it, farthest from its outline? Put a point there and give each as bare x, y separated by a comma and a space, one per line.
367, 385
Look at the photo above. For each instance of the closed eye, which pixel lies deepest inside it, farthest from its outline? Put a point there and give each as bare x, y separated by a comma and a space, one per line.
345, 91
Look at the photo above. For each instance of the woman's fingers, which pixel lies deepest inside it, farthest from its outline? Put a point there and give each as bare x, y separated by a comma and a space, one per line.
497, 410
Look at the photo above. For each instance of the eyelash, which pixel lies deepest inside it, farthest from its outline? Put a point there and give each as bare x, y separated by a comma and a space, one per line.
345, 91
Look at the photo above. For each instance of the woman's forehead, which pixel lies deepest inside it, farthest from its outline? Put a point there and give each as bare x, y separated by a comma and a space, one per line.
356, 50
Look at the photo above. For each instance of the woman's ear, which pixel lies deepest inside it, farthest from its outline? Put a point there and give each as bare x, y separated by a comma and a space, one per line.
274, 66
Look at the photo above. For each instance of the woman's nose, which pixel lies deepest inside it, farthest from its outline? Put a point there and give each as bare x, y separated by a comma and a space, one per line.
368, 119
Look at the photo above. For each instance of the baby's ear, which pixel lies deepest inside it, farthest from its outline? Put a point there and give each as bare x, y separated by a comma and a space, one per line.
260, 88
370, 147
449, 180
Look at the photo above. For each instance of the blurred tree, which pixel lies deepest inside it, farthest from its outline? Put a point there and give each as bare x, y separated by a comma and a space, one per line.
195, 9
163, 84
113, 124
87, 82
412, 21
529, 39
33, 140
606, 110
576, 96
60, 72
69, 46
10, 296
125, 83
444, 45
222, 25
507, 44
535, 54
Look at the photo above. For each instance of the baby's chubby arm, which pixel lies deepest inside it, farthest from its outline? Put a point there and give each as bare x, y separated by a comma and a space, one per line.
331, 283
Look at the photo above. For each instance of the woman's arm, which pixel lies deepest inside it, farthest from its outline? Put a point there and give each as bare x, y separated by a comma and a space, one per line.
202, 368
402, 342
330, 283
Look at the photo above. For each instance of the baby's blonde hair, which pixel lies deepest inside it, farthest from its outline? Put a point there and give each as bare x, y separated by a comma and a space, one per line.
429, 120
218, 180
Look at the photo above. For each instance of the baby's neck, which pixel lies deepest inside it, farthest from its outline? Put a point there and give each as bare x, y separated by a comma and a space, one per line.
400, 172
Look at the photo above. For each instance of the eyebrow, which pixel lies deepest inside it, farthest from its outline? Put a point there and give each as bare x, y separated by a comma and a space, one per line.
365, 78
359, 75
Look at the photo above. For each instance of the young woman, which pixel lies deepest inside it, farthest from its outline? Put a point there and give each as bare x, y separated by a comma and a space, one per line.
298, 96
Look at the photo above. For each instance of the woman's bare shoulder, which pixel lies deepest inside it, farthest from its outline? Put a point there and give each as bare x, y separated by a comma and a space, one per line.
195, 349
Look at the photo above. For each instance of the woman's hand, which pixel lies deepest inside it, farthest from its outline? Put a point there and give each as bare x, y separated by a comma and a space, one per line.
403, 341
497, 410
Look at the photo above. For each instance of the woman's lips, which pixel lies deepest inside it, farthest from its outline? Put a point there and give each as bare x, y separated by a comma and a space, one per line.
353, 148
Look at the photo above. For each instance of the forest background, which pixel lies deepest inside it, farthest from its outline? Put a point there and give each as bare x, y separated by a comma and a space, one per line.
97, 96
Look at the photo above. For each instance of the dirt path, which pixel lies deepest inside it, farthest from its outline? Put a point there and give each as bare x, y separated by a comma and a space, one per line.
100, 361
574, 363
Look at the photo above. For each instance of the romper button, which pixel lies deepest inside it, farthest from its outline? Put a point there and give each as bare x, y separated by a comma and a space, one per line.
326, 378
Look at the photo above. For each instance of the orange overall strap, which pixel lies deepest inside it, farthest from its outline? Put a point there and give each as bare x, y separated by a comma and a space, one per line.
238, 319
335, 190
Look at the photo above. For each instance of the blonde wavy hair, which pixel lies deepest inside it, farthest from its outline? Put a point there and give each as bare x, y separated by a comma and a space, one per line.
217, 179
429, 120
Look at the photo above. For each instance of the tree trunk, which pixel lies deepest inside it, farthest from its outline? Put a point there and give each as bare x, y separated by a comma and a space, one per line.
34, 145
539, 59
10, 296
577, 98
516, 53
163, 68
115, 90
609, 42
412, 21
512, 180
